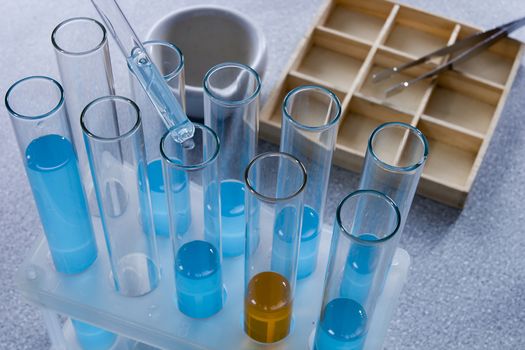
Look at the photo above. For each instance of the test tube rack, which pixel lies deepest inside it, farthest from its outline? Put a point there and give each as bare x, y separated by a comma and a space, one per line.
458, 112
154, 322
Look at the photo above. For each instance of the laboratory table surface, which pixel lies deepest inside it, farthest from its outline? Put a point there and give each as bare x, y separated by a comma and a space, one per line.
466, 286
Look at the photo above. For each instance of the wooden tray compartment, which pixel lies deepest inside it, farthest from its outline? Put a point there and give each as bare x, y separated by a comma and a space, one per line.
361, 118
416, 33
463, 102
333, 60
358, 19
492, 65
408, 100
458, 111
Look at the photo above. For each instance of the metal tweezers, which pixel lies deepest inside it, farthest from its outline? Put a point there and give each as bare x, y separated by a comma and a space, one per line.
464, 49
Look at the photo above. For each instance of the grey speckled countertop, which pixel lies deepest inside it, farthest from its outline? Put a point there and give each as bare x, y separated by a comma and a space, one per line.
467, 280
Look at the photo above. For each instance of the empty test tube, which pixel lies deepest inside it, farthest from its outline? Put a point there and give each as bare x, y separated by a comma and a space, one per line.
39, 118
394, 161
117, 159
311, 116
231, 109
193, 191
274, 204
82, 53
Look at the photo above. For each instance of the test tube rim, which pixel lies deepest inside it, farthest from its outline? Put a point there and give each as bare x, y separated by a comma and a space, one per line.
15, 114
79, 53
232, 103
393, 168
177, 70
390, 202
192, 167
262, 197
128, 133
316, 128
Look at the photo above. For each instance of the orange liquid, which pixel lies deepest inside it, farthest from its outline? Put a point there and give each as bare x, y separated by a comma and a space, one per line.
268, 307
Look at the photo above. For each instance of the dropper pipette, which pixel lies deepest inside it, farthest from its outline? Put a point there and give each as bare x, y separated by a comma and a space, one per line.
146, 72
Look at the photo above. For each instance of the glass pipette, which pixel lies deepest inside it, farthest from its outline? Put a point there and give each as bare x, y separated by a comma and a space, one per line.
143, 68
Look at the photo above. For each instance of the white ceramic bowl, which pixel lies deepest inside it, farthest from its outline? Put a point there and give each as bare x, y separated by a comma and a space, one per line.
209, 35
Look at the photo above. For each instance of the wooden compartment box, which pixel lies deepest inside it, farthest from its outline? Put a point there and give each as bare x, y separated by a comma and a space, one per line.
457, 111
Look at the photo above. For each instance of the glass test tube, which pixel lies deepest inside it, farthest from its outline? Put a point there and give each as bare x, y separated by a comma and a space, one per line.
82, 54
311, 116
231, 109
118, 165
363, 242
274, 204
39, 119
170, 62
190, 173
395, 171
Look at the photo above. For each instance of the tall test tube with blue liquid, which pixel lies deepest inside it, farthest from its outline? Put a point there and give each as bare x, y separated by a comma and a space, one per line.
364, 239
274, 182
170, 62
193, 191
310, 122
82, 53
115, 145
231, 109
39, 118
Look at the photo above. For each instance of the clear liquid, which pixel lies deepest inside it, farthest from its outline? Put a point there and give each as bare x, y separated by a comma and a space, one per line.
198, 279
359, 270
343, 326
232, 216
93, 338
54, 177
160, 95
159, 202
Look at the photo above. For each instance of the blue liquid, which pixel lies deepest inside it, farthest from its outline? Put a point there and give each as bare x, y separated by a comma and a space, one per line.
160, 95
232, 216
343, 326
55, 180
309, 243
159, 202
359, 270
93, 338
198, 279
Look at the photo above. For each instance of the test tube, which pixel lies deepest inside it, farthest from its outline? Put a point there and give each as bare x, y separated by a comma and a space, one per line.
82, 54
39, 119
118, 165
190, 173
311, 116
170, 62
231, 109
274, 204
395, 171
363, 241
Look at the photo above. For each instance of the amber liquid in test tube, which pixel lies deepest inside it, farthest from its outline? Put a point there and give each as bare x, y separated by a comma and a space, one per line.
268, 306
